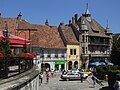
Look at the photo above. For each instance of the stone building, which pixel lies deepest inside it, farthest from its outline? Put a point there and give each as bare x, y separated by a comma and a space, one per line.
95, 41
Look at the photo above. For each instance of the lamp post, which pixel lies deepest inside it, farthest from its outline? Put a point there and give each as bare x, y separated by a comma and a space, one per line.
42, 59
25, 40
5, 34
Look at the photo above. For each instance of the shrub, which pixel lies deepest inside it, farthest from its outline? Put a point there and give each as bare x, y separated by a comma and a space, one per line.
101, 72
26, 55
112, 77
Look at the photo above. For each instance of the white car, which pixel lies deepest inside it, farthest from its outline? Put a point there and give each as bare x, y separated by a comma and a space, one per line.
72, 75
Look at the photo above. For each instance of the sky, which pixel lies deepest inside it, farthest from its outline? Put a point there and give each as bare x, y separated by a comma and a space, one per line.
56, 11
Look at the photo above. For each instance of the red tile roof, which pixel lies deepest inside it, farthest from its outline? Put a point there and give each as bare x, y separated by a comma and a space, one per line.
47, 37
11, 23
68, 34
25, 25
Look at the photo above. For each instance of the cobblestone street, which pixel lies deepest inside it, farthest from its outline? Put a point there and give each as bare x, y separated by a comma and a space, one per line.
56, 83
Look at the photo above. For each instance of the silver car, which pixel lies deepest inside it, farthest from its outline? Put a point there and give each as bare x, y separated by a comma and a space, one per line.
71, 76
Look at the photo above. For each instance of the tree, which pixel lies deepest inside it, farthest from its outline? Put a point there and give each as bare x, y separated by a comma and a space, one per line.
115, 53
3, 47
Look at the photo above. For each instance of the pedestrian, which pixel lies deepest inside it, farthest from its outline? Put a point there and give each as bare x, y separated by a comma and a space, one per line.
63, 71
52, 72
81, 75
41, 77
94, 81
47, 78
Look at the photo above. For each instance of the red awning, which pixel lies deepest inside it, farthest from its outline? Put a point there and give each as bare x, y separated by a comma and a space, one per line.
16, 40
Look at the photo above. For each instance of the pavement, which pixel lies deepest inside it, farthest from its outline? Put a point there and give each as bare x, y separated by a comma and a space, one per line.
55, 83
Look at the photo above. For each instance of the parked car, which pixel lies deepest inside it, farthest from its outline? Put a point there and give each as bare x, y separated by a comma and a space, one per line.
73, 76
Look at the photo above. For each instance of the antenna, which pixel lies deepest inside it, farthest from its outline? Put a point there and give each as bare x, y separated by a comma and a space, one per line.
87, 5
107, 21
0, 15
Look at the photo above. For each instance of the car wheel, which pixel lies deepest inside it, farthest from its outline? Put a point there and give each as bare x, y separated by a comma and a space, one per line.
67, 79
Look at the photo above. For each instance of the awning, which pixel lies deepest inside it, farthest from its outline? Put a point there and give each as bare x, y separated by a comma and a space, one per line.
16, 41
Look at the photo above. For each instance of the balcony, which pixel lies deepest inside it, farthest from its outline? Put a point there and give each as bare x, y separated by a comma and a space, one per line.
100, 55
99, 43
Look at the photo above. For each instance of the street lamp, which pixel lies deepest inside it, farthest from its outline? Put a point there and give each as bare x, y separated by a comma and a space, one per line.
5, 34
25, 40
42, 59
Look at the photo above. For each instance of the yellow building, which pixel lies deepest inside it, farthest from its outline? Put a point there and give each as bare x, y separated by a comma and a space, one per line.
73, 57
72, 44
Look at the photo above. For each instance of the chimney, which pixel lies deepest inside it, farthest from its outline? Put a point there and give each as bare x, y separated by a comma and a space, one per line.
73, 20
76, 17
19, 17
46, 22
69, 21
61, 23
0, 15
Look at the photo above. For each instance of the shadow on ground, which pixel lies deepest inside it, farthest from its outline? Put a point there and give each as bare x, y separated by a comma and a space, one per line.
106, 88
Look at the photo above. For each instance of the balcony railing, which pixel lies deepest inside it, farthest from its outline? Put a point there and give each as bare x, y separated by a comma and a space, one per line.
99, 43
15, 65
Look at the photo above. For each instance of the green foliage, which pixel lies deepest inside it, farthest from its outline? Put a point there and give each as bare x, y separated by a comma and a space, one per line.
5, 47
112, 77
110, 70
101, 71
115, 53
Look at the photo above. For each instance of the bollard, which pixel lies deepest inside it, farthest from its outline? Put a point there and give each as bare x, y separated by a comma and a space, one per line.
106, 77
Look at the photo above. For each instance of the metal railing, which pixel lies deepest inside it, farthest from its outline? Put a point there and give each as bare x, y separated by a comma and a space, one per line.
15, 66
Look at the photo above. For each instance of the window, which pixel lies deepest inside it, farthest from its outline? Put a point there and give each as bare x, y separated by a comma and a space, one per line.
48, 53
72, 51
86, 39
83, 49
56, 56
56, 53
62, 56
83, 38
86, 49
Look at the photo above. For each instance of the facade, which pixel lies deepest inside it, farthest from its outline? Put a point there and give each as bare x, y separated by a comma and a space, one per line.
73, 57
95, 41
69, 46
50, 49
72, 45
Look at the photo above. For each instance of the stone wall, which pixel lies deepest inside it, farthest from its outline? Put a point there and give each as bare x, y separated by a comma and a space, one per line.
28, 80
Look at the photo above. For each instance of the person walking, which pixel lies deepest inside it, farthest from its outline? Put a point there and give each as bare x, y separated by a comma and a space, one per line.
47, 78
41, 77
81, 75
52, 72
94, 81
